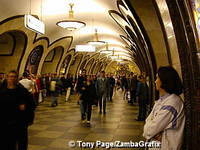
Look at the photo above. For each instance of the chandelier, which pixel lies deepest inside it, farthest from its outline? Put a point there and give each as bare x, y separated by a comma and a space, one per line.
71, 24
106, 51
96, 41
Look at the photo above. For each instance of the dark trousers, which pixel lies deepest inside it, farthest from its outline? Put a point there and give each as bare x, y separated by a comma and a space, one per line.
142, 110
87, 111
22, 138
132, 96
36, 98
111, 93
8, 138
102, 102
14, 138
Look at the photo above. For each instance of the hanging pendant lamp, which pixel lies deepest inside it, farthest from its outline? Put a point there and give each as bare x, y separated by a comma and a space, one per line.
96, 42
71, 24
106, 51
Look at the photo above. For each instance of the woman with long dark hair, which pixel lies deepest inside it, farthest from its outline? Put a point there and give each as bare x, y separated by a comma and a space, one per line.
167, 119
88, 97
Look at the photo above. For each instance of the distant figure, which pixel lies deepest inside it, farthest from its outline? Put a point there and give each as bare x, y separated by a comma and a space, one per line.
111, 83
80, 86
167, 119
81, 79
142, 93
132, 86
68, 86
54, 90
102, 89
1, 78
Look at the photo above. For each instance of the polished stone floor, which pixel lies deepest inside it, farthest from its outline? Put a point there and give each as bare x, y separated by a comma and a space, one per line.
54, 127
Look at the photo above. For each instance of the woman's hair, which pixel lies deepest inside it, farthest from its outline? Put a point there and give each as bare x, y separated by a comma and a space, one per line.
170, 80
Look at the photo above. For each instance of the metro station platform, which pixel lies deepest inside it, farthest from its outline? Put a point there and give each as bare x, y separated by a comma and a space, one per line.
55, 127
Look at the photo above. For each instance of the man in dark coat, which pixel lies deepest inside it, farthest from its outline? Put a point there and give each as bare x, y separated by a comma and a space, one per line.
16, 114
102, 89
143, 98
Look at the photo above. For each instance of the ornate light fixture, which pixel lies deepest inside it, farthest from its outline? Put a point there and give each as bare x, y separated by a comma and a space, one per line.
96, 41
106, 51
71, 24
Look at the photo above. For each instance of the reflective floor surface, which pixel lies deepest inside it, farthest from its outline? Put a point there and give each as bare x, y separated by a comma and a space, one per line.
55, 127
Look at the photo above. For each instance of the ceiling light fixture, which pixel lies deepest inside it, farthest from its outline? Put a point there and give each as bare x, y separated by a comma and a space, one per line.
106, 51
96, 41
71, 24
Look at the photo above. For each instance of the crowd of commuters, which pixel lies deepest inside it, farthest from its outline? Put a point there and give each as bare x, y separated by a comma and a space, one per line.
94, 90
104, 85
20, 97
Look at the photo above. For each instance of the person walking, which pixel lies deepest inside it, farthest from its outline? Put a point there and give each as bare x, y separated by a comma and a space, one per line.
14, 113
67, 83
88, 97
54, 90
101, 89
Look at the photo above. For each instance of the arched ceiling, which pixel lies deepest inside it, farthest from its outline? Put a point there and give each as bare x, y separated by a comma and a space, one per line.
93, 12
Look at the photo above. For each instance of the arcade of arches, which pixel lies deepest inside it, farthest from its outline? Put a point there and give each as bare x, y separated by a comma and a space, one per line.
145, 34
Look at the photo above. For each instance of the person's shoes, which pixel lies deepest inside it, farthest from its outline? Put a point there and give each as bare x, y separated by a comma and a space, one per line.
139, 119
84, 121
100, 112
104, 112
54, 104
88, 123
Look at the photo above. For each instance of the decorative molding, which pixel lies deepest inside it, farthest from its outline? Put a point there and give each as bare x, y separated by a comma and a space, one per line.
14, 44
163, 31
190, 70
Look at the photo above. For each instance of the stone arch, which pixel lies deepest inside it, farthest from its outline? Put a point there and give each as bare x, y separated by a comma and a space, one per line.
65, 64
13, 44
89, 65
52, 60
76, 60
34, 59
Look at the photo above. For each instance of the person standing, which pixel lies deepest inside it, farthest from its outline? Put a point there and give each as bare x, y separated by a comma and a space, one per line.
166, 121
80, 82
68, 86
1, 78
132, 86
102, 88
54, 90
44, 85
111, 82
142, 94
